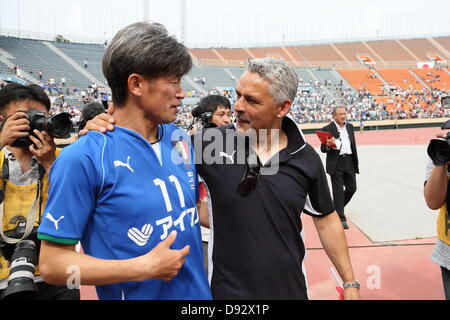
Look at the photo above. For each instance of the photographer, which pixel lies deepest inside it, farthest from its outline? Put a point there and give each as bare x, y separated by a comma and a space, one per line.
437, 196
212, 111
24, 162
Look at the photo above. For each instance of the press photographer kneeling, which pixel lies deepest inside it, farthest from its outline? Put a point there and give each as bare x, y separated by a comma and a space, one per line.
437, 196
27, 152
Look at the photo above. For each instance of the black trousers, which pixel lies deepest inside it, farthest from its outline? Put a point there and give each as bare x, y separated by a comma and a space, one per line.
343, 182
446, 282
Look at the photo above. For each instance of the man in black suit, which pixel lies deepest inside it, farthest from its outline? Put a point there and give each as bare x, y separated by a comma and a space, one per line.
342, 160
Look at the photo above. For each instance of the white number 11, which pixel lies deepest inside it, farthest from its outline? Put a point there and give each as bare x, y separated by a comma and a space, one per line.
162, 185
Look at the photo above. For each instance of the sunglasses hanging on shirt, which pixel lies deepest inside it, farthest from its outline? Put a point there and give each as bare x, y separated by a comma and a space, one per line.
250, 179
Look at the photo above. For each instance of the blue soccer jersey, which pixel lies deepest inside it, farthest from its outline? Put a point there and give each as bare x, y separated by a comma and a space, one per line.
111, 192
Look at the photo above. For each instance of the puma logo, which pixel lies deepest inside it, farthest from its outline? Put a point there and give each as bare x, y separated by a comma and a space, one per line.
223, 154
118, 163
55, 222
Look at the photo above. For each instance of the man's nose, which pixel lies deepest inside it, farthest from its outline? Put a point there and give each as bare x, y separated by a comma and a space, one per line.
181, 94
238, 106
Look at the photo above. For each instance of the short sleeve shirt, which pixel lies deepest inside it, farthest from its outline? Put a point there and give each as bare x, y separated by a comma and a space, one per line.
111, 192
258, 247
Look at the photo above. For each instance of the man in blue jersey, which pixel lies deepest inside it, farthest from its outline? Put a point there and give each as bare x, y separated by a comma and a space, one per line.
129, 195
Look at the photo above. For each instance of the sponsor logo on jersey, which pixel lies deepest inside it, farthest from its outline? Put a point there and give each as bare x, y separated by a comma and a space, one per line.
140, 237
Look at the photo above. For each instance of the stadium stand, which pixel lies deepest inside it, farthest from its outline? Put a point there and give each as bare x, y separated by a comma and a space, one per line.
421, 48
4, 69
375, 79
320, 53
444, 42
293, 52
234, 54
207, 57
33, 55
389, 51
401, 78
352, 50
214, 76
438, 79
270, 52
90, 52
363, 79
305, 75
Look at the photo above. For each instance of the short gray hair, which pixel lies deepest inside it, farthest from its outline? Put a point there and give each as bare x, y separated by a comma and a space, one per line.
282, 79
335, 109
146, 49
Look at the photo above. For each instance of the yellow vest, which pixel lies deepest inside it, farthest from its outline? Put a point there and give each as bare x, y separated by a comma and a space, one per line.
17, 205
443, 225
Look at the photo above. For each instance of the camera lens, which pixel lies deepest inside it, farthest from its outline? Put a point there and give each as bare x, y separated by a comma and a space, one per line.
59, 125
21, 276
439, 150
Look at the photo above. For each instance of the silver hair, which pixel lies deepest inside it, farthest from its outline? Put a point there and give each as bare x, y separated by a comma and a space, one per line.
146, 49
334, 110
282, 79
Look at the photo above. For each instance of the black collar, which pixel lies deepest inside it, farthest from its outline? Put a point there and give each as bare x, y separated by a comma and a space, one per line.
296, 139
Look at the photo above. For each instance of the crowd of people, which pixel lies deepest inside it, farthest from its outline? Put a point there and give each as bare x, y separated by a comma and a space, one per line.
314, 105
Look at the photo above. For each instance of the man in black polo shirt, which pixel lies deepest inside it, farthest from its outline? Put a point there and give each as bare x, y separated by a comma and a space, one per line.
258, 249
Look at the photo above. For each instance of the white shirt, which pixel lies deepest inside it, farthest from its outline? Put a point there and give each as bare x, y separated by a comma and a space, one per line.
157, 148
343, 143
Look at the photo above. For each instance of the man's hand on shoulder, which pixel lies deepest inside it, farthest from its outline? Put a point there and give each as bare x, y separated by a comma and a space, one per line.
102, 123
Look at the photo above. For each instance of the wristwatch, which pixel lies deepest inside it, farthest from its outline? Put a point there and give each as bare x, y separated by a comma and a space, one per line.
355, 285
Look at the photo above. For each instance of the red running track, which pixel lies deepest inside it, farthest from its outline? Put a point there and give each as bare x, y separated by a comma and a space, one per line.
401, 272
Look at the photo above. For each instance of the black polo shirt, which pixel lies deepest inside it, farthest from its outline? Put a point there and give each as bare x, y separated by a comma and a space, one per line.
257, 244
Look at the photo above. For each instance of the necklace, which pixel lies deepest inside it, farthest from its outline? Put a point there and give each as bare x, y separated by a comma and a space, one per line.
158, 135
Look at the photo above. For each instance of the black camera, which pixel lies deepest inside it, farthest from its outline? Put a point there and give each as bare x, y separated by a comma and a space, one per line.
23, 257
57, 126
206, 118
439, 148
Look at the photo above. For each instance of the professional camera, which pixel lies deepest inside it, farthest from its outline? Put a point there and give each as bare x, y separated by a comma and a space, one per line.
200, 115
439, 148
206, 118
57, 126
23, 257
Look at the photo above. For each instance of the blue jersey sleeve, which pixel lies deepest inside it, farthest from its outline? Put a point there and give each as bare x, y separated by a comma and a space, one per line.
76, 179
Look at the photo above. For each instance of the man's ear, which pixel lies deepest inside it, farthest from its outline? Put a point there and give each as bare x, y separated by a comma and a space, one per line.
135, 84
284, 108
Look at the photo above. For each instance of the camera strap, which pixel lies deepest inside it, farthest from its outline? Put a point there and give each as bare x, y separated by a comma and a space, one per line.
33, 212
